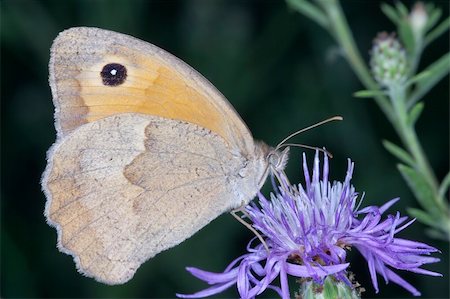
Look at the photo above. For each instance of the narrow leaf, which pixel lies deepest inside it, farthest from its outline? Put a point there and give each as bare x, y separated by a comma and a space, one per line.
420, 188
398, 152
440, 234
433, 17
437, 70
445, 185
308, 293
390, 12
309, 10
407, 37
423, 217
415, 113
436, 32
419, 77
402, 9
330, 289
368, 93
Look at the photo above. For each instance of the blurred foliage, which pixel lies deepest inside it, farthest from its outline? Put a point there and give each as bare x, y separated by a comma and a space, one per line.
280, 71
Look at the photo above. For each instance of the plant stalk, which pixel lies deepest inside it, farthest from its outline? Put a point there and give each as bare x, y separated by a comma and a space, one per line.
396, 111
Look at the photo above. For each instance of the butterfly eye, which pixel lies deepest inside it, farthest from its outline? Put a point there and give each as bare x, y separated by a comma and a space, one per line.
278, 160
274, 159
113, 74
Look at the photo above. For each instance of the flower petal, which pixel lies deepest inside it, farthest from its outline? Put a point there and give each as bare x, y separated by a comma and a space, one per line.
242, 282
401, 282
373, 273
302, 271
425, 272
212, 277
284, 282
387, 205
209, 291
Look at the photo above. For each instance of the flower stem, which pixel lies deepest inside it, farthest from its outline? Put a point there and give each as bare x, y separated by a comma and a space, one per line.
408, 135
398, 116
410, 140
395, 110
344, 37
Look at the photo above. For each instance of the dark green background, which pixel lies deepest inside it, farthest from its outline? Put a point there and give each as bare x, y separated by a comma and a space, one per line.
279, 70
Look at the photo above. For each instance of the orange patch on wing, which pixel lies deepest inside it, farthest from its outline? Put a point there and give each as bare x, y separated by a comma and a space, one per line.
150, 88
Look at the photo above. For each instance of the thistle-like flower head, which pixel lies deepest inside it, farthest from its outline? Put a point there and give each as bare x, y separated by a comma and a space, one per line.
308, 229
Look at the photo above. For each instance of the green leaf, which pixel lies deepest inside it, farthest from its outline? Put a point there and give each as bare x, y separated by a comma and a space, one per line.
440, 234
346, 292
407, 37
368, 93
415, 113
445, 185
308, 294
398, 152
418, 78
402, 9
423, 217
330, 289
310, 10
436, 32
433, 17
437, 70
390, 12
420, 188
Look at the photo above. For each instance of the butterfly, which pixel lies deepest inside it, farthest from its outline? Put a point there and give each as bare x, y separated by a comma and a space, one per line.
147, 152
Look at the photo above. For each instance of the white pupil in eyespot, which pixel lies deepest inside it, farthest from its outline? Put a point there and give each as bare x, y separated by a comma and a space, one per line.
113, 72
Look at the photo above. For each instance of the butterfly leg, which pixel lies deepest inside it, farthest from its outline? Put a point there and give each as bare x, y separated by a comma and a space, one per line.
248, 225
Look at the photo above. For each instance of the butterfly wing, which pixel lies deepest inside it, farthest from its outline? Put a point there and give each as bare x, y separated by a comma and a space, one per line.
156, 83
126, 187
138, 166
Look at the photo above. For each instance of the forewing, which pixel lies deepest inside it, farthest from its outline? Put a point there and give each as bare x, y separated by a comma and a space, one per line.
157, 83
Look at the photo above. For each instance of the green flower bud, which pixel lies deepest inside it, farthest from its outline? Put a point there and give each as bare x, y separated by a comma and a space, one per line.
418, 19
330, 289
388, 60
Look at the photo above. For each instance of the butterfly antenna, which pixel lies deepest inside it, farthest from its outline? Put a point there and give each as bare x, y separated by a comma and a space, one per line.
308, 128
330, 155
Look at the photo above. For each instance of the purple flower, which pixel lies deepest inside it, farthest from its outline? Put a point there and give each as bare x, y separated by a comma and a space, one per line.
307, 230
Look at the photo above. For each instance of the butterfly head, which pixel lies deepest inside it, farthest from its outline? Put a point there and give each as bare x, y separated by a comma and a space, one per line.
270, 160
277, 160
